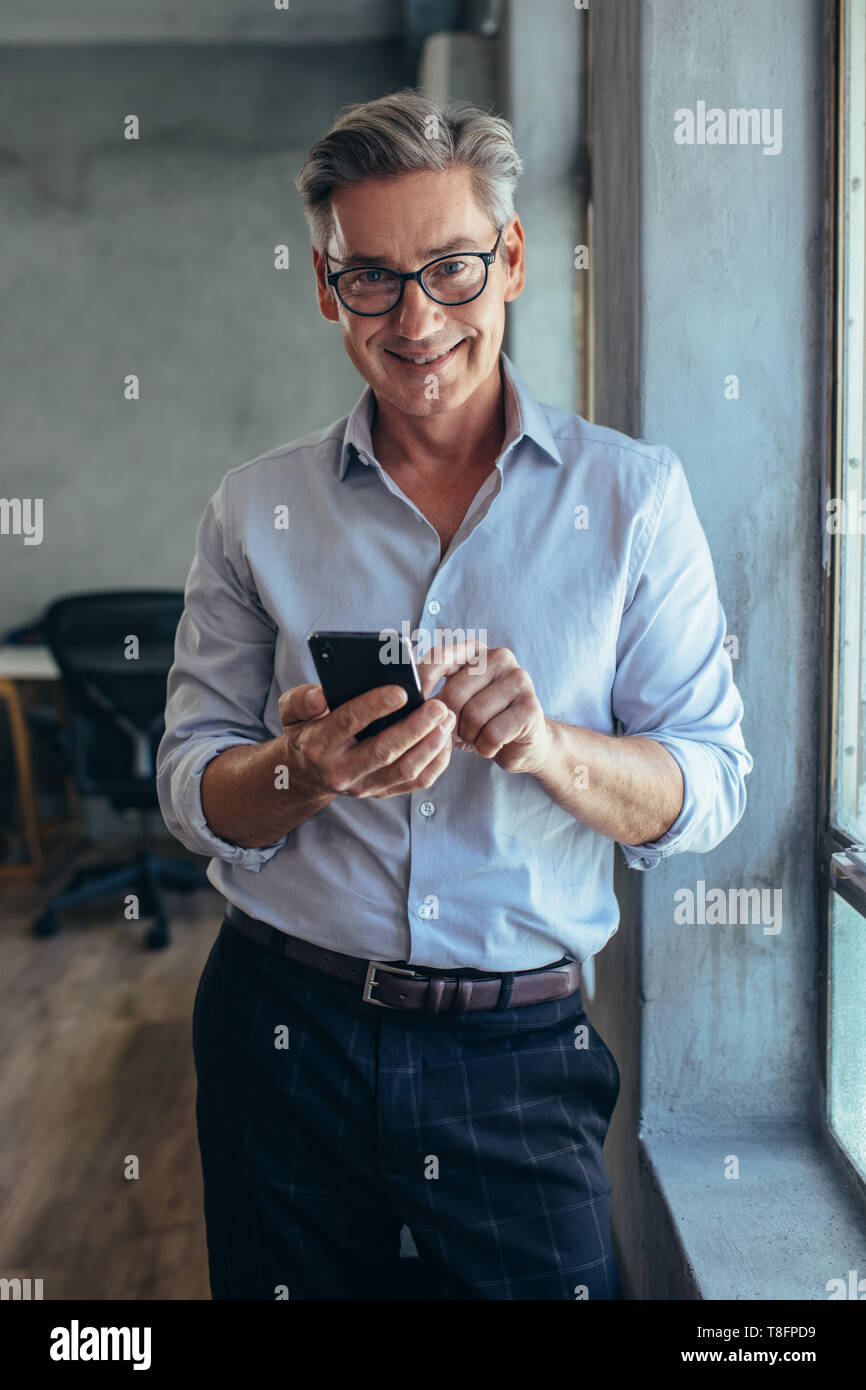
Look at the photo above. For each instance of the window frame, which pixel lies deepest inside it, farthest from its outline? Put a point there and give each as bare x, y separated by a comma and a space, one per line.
831, 839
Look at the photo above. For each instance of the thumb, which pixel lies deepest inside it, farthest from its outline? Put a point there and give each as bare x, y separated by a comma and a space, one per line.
300, 703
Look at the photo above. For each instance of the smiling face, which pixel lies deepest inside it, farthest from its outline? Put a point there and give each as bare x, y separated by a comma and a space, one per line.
401, 223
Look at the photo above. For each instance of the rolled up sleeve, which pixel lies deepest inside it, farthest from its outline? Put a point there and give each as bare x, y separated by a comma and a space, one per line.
217, 688
674, 679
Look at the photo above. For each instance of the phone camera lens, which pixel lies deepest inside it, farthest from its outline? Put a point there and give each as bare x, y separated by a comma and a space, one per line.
326, 652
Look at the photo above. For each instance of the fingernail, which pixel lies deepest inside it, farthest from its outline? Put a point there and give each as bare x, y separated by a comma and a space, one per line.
395, 697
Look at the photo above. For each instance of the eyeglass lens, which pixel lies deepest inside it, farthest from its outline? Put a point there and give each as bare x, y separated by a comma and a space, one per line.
450, 280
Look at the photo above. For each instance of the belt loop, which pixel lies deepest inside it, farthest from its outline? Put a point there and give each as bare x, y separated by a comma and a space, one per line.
505, 992
435, 990
462, 995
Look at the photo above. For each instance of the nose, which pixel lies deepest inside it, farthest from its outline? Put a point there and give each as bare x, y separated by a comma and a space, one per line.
417, 315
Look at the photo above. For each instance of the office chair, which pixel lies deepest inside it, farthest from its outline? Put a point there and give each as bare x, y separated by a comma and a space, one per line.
114, 650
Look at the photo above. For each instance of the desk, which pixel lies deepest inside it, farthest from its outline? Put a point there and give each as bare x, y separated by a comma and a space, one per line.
19, 664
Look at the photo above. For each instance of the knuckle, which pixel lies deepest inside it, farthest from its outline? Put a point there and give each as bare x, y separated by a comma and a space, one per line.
308, 739
380, 747
343, 720
406, 769
346, 719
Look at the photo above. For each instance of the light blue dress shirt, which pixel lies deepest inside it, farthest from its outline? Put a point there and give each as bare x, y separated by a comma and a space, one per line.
583, 554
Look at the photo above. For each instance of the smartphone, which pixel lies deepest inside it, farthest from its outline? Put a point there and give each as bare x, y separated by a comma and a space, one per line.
351, 663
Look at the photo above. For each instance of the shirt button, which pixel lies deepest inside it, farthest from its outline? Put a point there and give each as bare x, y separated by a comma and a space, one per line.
434, 606
426, 808
424, 910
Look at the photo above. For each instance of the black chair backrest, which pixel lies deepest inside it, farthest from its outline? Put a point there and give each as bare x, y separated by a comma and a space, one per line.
114, 650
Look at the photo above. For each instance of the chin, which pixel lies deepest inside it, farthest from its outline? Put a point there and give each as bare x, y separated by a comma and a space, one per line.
424, 407
450, 397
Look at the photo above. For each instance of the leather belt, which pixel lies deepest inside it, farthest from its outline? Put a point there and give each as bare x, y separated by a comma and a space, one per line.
422, 989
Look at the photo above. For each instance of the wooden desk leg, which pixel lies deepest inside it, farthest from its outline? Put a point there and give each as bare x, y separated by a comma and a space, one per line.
76, 813
24, 771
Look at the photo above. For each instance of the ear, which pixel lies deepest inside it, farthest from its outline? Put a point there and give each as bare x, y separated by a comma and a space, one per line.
327, 298
515, 274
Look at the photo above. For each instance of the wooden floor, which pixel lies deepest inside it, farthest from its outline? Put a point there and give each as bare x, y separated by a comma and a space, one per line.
96, 1047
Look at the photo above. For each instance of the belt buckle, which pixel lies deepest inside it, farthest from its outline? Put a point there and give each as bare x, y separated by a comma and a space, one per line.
370, 981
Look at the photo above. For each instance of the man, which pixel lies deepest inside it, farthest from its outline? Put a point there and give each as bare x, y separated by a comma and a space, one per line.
389, 1029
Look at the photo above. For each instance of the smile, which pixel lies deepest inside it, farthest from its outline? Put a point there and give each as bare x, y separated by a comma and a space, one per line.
438, 358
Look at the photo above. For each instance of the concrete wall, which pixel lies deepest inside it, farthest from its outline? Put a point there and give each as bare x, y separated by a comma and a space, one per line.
733, 282
542, 50
156, 257
198, 21
724, 254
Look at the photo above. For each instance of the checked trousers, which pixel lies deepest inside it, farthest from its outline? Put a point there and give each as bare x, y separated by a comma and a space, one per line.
325, 1124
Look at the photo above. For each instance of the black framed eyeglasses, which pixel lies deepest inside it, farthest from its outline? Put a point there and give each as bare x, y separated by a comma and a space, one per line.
369, 290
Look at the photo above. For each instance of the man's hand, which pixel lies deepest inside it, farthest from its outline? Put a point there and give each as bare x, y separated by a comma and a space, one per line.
324, 757
630, 789
498, 712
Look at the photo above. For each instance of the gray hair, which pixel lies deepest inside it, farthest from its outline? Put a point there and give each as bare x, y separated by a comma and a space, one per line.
402, 133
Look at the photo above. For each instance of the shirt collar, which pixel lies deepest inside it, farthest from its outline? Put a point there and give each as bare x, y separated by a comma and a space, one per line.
524, 418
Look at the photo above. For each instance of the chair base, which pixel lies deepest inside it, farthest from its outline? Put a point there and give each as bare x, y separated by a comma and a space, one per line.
147, 875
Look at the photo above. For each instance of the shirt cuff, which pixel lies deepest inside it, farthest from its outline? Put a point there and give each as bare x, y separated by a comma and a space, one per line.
186, 819
699, 790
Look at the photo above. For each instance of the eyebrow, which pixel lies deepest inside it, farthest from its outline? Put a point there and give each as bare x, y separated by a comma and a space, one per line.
455, 244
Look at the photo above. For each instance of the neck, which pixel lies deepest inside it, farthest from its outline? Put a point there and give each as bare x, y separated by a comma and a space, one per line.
453, 440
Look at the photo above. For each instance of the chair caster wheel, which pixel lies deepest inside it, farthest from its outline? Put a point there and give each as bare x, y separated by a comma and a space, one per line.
46, 925
157, 937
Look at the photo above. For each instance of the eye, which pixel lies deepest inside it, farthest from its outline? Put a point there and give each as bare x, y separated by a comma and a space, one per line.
359, 279
451, 268
364, 278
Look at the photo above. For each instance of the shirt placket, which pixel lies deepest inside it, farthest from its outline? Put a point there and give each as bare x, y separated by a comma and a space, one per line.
429, 810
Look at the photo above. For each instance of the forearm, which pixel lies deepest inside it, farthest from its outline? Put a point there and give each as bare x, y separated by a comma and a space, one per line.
628, 788
244, 799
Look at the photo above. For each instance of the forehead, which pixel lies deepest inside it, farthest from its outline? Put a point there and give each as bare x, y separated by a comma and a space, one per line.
402, 217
